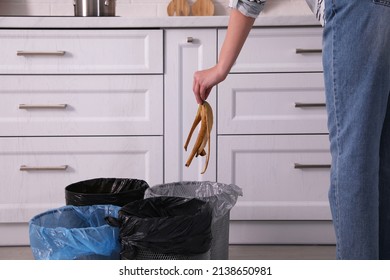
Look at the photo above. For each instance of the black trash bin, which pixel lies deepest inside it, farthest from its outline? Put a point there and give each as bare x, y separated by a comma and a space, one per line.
114, 191
165, 228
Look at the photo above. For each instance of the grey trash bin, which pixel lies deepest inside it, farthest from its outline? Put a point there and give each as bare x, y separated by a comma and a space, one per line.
222, 198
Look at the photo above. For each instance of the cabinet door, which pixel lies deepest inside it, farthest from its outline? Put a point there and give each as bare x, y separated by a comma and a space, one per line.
289, 49
81, 51
276, 103
36, 105
35, 171
283, 177
186, 51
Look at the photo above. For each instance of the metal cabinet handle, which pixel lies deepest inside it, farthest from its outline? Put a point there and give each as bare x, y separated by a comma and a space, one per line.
34, 53
43, 168
190, 39
310, 166
308, 105
306, 51
43, 106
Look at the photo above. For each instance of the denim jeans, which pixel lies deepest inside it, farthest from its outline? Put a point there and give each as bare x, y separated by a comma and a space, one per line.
356, 63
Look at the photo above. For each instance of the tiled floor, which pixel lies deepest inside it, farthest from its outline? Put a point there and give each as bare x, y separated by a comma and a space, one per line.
236, 252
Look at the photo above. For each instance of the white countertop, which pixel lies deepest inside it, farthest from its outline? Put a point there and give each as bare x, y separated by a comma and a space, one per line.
144, 22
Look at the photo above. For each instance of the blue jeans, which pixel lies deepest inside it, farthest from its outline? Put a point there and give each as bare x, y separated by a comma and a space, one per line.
357, 81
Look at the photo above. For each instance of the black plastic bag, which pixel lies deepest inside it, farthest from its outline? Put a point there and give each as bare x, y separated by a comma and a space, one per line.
165, 225
113, 191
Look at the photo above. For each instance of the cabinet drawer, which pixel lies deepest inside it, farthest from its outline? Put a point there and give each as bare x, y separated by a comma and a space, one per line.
39, 105
274, 189
272, 104
66, 160
279, 50
81, 51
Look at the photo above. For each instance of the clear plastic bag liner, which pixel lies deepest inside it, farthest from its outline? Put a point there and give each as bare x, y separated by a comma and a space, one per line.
75, 232
222, 197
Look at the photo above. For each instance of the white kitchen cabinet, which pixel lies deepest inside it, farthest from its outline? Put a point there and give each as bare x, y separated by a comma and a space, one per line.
273, 138
76, 104
80, 51
36, 105
86, 103
267, 103
186, 51
284, 177
279, 49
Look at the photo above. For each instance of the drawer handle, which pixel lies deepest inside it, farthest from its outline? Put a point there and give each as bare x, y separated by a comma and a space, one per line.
31, 53
306, 51
190, 39
43, 106
310, 166
43, 168
308, 105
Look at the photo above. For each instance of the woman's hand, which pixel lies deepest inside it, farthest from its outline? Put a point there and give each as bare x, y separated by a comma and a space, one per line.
237, 32
204, 81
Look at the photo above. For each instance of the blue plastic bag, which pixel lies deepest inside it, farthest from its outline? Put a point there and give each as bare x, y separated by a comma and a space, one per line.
75, 233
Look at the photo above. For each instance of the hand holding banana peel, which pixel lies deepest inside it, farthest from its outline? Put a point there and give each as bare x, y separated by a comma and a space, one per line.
204, 116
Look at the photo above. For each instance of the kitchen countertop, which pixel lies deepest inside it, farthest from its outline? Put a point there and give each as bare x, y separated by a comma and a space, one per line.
145, 22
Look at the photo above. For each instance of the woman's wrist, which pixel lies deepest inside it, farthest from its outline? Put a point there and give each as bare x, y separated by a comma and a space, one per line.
222, 71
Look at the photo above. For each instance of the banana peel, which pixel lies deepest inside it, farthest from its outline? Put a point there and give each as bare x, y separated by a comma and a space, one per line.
204, 116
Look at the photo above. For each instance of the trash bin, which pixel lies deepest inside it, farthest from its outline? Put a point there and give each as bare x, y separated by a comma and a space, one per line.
99, 191
75, 233
165, 228
222, 198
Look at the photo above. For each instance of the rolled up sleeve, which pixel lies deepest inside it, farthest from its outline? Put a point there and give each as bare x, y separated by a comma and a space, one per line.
249, 8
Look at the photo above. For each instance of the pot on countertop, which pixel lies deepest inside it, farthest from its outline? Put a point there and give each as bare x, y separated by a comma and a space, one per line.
94, 8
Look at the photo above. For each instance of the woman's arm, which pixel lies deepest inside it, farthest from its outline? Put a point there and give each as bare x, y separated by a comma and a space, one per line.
237, 32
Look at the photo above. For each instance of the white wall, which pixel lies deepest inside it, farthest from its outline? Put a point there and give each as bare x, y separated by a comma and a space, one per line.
137, 8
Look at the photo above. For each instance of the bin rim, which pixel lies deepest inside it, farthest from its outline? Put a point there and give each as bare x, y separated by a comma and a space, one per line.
222, 196
192, 182
154, 190
69, 188
70, 208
